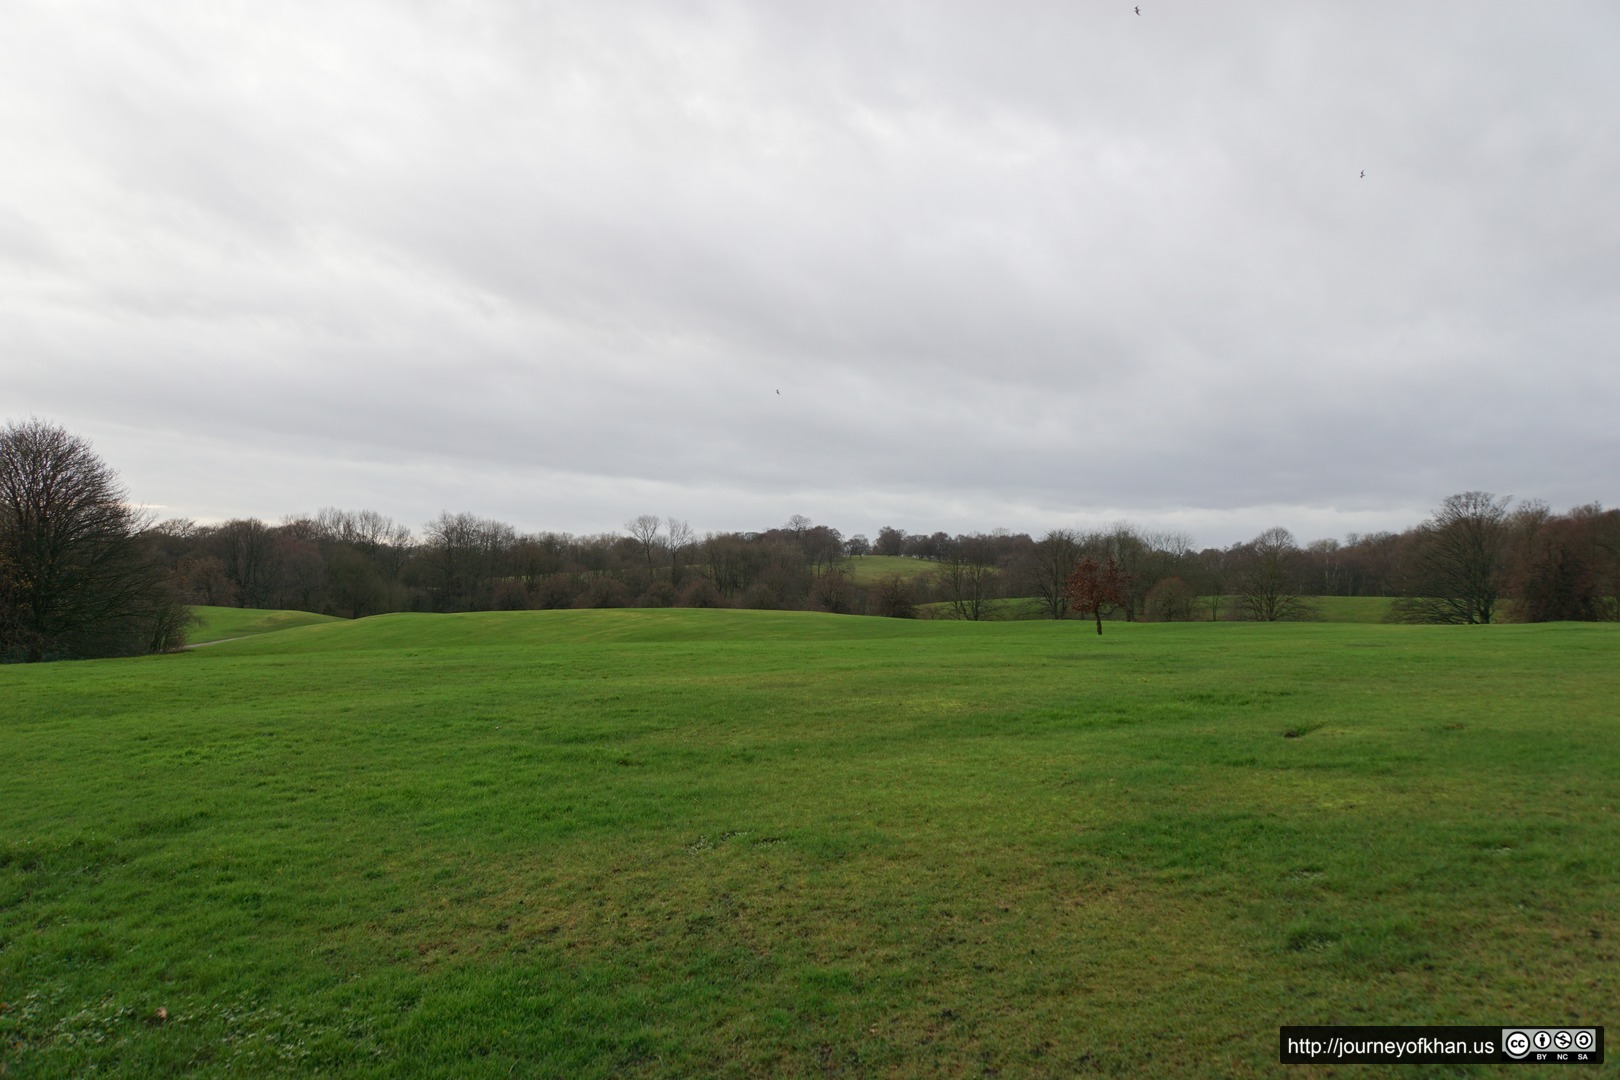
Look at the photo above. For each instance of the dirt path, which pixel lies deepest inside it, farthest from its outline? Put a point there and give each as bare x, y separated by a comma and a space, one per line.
216, 641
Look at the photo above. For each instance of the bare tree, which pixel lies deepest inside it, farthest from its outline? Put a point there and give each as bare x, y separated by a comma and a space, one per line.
303, 577
355, 586
202, 580
728, 561
1208, 572
247, 548
644, 531
1459, 561
365, 553
1372, 562
1566, 567
679, 537
895, 597
465, 555
1268, 569
933, 545
823, 548
1047, 570
1326, 566
1169, 554
835, 592
365, 529
968, 577
76, 577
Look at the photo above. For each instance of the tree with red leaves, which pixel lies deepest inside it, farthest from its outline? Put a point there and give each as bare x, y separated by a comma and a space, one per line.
1097, 588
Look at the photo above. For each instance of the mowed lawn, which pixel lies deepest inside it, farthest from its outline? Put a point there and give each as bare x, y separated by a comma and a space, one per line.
721, 843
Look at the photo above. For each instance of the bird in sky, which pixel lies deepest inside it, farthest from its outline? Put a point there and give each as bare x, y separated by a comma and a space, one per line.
1139, 11
1364, 174
779, 393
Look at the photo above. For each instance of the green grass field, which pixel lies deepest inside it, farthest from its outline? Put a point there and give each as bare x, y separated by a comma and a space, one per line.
1351, 609
218, 623
725, 843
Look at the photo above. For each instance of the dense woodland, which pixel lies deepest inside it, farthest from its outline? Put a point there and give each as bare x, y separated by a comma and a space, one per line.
1476, 552
83, 574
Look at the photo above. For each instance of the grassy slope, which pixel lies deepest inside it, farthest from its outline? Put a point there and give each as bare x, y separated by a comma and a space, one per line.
609, 843
1352, 609
867, 569
229, 622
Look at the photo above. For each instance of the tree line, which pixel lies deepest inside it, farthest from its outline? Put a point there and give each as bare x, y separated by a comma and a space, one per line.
82, 573
1477, 551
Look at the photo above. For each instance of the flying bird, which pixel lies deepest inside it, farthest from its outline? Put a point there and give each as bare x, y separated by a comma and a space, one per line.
1363, 176
1139, 11
779, 393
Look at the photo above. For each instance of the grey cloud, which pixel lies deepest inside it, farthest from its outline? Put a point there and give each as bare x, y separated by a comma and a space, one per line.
1047, 261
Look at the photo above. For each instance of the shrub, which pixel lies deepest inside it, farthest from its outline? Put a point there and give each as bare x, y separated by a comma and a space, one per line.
701, 593
510, 595
658, 594
895, 598
603, 592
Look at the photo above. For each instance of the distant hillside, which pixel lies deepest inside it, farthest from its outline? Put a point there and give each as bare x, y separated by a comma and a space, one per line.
867, 569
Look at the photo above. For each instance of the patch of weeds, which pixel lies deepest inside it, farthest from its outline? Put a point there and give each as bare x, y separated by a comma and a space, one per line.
256, 1035
29, 1024
704, 842
240, 1034
1311, 938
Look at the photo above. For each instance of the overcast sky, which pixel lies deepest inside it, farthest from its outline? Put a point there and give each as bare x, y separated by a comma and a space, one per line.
933, 265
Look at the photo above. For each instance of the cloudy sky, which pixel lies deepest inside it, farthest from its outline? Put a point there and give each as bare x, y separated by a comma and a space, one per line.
934, 265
